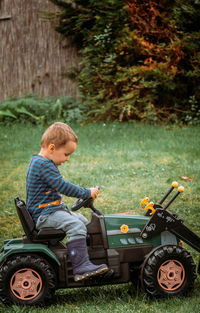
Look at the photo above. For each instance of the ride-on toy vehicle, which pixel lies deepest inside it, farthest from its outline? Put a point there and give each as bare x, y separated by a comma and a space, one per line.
146, 248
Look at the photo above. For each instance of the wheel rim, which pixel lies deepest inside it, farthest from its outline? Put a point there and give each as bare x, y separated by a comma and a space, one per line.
171, 275
26, 284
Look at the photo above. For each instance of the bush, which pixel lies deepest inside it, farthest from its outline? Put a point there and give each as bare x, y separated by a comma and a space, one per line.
140, 59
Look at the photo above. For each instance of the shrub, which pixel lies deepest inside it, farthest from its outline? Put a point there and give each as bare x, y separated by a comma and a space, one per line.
140, 59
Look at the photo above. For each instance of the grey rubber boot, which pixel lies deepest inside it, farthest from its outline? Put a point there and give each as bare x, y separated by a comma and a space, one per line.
82, 267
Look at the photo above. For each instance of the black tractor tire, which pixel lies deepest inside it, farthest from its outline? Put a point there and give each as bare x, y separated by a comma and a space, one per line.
27, 280
168, 271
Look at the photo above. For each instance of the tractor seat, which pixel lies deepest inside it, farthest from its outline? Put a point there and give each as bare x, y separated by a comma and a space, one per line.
50, 235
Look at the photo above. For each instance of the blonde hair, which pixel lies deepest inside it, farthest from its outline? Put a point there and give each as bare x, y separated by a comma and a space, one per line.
59, 134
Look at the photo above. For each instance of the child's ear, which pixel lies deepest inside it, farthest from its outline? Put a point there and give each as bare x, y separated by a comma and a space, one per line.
51, 148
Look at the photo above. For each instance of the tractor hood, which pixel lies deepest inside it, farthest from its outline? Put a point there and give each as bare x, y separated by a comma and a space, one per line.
124, 230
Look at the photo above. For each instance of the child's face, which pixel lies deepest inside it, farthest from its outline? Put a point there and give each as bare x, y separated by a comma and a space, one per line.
61, 155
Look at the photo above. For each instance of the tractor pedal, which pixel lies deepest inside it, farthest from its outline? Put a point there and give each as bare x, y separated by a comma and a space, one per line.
103, 277
110, 273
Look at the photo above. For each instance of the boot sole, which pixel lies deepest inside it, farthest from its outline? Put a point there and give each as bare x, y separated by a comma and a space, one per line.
91, 274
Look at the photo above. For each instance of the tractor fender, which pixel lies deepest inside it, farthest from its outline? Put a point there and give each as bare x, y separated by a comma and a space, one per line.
151, 252
16, 246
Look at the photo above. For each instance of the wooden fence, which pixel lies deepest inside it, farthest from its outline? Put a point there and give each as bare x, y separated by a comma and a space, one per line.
33, 57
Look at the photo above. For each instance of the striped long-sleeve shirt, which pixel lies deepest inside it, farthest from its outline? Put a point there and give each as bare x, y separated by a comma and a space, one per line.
44, 185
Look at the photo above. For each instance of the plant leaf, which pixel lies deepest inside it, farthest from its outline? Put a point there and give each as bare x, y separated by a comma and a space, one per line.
7, 113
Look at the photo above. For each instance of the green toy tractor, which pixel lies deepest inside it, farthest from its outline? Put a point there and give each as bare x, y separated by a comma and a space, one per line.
135, 248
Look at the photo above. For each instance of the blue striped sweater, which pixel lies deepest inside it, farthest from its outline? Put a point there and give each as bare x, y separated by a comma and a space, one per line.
44, 184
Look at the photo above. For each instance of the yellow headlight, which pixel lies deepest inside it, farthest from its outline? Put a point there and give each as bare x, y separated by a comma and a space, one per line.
124, 228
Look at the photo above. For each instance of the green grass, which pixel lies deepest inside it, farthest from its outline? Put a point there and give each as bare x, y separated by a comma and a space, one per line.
128, 161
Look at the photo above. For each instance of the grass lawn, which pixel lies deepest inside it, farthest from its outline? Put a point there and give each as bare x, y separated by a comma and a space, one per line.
128, 161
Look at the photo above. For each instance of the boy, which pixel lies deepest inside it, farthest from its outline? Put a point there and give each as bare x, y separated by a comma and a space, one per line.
44, 185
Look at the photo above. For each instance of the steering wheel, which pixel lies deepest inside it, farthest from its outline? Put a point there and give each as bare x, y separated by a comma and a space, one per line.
87, 203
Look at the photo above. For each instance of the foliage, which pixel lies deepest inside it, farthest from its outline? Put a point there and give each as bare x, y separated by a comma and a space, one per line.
37, 110
140, 59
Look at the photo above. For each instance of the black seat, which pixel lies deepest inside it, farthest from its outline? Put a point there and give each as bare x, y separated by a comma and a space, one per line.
50, 235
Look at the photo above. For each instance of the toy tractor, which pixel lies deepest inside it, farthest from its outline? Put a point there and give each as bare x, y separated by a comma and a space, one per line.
135, 248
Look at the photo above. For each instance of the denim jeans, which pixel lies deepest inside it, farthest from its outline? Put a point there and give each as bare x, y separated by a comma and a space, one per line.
74, 224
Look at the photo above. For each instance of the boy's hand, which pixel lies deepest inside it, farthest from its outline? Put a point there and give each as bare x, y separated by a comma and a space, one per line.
94, 193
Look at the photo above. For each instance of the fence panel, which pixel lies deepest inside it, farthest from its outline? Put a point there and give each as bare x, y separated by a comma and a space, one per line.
33, 57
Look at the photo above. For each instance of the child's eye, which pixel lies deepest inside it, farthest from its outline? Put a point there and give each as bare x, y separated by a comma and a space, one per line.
66, 154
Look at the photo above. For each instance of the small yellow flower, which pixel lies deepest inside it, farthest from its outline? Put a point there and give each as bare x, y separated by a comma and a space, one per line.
124, 228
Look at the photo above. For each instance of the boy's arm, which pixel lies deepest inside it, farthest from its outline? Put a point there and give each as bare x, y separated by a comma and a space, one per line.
51, 176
